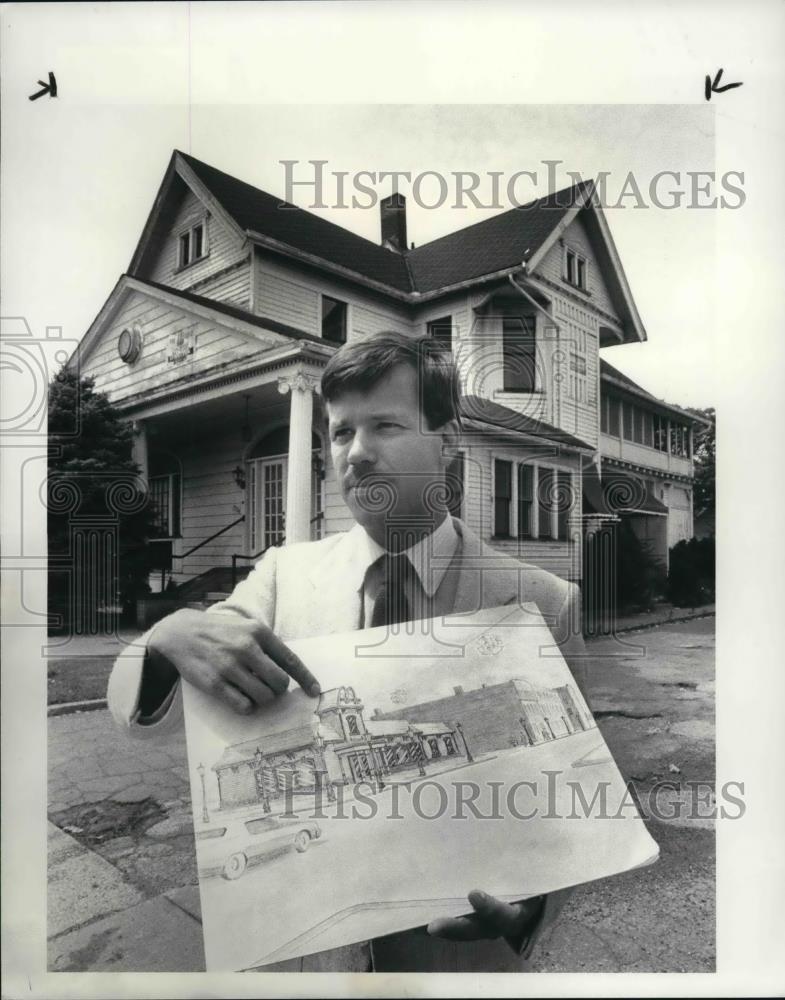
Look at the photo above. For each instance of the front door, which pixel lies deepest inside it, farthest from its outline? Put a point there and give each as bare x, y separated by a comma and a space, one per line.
267, 502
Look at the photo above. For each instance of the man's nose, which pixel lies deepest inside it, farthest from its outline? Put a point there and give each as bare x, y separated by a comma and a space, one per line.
362, 450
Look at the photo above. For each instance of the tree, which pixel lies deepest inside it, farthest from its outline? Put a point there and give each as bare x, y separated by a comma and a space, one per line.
98, 513
704, 459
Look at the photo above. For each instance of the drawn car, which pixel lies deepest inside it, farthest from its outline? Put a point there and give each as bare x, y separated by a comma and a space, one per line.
228, 847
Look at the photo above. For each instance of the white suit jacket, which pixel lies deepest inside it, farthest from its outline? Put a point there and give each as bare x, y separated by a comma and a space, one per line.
311, 589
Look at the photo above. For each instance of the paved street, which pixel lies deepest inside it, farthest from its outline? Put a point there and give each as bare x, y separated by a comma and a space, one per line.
123, 808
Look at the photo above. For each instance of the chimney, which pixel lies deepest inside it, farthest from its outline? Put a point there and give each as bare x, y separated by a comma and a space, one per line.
458, 689
393, 209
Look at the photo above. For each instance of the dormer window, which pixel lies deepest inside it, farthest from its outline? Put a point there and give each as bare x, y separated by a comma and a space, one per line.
575, 268
192, 245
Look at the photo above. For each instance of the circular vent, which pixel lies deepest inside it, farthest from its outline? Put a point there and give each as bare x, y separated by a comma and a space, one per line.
129, 344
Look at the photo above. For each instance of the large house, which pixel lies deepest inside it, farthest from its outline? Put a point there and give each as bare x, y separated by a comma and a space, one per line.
214, 341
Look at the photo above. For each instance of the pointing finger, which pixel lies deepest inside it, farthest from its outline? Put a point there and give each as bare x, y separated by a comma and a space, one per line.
289, 661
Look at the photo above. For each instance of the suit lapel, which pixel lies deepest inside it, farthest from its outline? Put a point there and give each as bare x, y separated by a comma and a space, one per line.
480, 584
334, 604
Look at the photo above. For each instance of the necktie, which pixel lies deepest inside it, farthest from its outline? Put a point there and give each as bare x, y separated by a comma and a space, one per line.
392, 605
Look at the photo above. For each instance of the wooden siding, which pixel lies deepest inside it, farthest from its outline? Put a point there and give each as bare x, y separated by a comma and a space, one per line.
286, 293
225, 247
552, 267
214, 344
232, 285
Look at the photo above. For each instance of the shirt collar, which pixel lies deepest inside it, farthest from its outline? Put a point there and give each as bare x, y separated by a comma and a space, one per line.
430, 557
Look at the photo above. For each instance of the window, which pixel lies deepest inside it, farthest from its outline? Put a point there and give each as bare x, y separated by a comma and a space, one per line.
614, 407
648, 429
546, 487
532, 501
564, 503
525, 501
334, 320
637, 425
518, 351
679, 443
191, 246
164, 493
502, 498
441, 330
660, 432
627, 421
351, 722
575, 268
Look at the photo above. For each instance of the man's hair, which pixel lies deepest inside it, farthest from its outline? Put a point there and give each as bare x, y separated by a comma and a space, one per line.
360, 365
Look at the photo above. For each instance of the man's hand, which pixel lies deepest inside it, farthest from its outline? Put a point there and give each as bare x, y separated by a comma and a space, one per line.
238, 661
492, 918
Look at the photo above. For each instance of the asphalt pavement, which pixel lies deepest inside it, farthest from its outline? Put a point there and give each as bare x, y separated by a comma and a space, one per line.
123, 890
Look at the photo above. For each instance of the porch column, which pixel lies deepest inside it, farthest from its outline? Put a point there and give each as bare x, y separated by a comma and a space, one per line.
301, 388
139, 449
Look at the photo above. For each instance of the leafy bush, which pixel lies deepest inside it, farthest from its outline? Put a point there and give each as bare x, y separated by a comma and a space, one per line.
98, 515
640, 578
692, 572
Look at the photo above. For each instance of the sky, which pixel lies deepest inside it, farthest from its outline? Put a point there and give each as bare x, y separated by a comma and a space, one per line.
80, 174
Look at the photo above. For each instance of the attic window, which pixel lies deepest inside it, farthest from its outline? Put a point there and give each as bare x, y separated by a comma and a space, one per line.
575, 268
333, 320
192, 246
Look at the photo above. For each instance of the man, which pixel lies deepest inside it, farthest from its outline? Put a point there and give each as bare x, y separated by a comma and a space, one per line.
393, 419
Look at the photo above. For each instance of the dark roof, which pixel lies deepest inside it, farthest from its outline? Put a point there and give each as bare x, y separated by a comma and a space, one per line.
501, 242
495, 244
262, 322
489, 412
609, 373
288, 739
618, 493
264, 213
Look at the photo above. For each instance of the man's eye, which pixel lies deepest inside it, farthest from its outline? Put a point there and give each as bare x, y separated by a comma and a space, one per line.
341, 434
388, 423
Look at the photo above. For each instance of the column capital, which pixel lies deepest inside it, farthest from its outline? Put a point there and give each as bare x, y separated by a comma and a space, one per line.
304, 381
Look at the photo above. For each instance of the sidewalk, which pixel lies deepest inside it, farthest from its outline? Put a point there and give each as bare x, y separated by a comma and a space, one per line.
79, 669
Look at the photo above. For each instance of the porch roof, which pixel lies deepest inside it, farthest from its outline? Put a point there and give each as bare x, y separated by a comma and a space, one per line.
619, 493
287, 739
488, 411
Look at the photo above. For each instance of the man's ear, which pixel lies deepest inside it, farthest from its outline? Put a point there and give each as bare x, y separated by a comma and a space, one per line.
451, 437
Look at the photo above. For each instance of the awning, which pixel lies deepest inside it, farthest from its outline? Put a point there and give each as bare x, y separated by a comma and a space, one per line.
619, 493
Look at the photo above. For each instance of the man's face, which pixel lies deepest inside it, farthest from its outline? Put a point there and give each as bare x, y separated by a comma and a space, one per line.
386, 460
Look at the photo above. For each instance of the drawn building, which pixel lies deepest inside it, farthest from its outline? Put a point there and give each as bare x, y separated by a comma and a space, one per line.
514, 712
336, 747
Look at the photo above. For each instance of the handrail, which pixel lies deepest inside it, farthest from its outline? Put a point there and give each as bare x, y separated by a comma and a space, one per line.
261, 552
183, 555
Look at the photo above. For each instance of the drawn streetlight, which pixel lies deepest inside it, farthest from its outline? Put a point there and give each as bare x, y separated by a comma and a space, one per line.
469, 757
258, 763
418, 750
205, 814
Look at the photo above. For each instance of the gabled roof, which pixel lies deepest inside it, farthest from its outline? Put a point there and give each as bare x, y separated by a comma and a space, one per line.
612, 376
256, 211
501, 245
212, 308
496, 244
